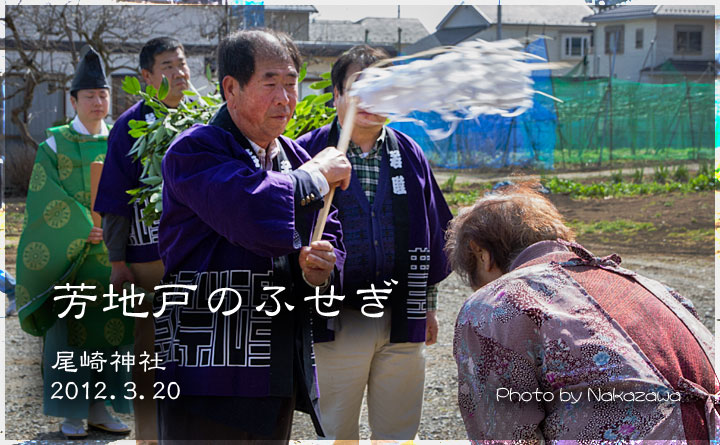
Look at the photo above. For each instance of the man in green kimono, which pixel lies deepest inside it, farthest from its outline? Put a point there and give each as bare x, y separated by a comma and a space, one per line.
60, 247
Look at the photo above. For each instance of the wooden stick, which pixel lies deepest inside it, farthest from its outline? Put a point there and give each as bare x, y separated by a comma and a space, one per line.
95, 173
343, 142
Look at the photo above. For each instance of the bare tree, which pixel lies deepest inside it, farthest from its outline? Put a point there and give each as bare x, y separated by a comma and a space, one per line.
40, 39
43, 42
213, 22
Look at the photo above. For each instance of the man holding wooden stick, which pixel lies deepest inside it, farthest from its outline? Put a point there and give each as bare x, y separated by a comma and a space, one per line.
131, 244
239, 201
393, 217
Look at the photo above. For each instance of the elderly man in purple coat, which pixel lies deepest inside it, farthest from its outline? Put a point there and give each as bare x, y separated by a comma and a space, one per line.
132, 245
393, 218
239, 201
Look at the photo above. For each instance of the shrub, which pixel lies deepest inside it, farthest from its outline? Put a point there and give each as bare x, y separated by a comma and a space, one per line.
638, 175
661, 174
449, 185
705, 169
681, 174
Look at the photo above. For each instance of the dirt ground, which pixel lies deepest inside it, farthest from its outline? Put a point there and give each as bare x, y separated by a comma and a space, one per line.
679, 252
683, 223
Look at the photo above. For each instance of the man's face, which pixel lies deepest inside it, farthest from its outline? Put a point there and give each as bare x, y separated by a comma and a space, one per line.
263, 107
363, 119
171, 64
91, 105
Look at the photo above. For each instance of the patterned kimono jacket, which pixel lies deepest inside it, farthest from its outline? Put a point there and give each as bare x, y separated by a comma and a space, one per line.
567, 346
53, 248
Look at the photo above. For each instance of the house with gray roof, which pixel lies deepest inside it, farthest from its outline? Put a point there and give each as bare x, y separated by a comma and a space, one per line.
567, 37
655, 43
375, 31
330, 38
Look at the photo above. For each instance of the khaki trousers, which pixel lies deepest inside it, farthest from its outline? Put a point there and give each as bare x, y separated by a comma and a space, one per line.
362, 356
147, 276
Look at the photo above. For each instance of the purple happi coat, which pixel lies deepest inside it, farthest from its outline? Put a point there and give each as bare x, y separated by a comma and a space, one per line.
399, 237
120, 174
227, 223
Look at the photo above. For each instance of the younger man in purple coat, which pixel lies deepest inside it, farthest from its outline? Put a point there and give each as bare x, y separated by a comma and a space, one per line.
239, 201
132, 246
393, 217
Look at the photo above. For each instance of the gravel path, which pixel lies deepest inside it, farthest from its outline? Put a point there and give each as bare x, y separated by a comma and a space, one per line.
692, 276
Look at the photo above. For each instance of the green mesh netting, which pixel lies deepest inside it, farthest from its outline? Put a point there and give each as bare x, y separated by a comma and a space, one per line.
603, 123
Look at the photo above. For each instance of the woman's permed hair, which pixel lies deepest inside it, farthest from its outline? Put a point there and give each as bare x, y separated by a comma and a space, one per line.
504, 222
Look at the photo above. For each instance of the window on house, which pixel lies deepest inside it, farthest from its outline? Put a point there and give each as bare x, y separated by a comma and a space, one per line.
575, 46
614, 37
121, 100
688, 39
639, 35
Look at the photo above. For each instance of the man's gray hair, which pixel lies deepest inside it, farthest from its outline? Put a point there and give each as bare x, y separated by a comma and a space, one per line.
238, 52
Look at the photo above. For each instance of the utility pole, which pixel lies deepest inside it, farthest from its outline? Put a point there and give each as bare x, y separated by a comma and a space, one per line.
399, 44
614, 38
499, 22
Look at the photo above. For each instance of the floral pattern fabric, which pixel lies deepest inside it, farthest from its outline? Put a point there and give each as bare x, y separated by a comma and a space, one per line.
538, 358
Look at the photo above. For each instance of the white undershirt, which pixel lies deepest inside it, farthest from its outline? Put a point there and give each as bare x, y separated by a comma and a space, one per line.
78, 126
274, 148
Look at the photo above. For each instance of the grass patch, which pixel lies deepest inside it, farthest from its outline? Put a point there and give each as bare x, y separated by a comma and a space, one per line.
462, 199
604, 189
696, 235
624, 155
465, 194
621, 227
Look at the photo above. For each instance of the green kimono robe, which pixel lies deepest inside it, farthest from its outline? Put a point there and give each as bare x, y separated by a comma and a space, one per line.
53, 251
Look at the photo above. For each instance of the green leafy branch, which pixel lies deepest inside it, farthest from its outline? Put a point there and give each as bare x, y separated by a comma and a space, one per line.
311, 112
154, 138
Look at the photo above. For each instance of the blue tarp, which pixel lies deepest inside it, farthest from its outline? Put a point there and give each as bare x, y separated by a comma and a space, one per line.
494, 141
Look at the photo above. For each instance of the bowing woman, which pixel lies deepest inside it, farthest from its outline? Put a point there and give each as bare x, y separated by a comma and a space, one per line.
559, 344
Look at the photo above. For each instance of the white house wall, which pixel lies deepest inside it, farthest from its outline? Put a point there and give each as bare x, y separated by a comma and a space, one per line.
666, 41
628, 64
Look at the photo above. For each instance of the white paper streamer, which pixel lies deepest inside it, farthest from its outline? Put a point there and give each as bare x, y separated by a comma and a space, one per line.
462, 82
